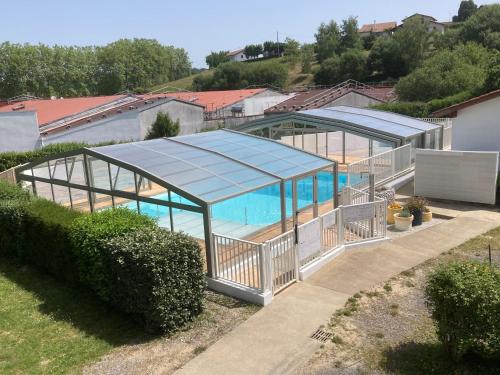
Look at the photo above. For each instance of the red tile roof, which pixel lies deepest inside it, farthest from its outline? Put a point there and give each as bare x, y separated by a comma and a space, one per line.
212, 100
50, 110
451, 111
377, 27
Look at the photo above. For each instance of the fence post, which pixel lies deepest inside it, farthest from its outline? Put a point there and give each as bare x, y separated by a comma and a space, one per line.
262, 268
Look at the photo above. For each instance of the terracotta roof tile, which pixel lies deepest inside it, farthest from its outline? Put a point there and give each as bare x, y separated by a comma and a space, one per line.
50, 110
212, 100
377, 27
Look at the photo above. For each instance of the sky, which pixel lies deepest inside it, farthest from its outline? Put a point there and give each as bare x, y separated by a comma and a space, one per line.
198, 26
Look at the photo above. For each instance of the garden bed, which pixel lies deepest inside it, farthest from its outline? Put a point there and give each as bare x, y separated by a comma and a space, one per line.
388, 329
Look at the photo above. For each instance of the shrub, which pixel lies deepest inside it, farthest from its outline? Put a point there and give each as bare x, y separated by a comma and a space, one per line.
464, 298
10, 191
87, 234
413, 109
157, 276
12, 213
163, 126
46, 243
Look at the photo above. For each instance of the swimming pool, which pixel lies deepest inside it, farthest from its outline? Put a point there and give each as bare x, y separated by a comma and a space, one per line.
257, 208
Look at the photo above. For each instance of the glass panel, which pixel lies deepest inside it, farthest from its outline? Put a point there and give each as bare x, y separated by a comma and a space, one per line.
100, 173
58, 169
305, 192
76, 169
126, 203
101, 201
61, 195
189, 222
122, 179
41, 170
27, 172
325, 186
43, 189
157, 212
80, 200
151, 189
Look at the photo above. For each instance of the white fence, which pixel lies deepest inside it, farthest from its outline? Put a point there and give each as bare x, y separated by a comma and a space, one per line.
273, 265
384, 167
446, 124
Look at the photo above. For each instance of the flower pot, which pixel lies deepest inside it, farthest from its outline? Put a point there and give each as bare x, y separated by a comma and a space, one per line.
426, 216
417, 217
391, 212
402, 223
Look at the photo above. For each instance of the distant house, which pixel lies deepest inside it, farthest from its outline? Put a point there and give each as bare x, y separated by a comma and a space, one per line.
238, 55
476, 123
430, 22
377, 29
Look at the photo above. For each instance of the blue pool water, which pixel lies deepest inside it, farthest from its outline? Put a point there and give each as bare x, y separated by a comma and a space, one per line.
261, 207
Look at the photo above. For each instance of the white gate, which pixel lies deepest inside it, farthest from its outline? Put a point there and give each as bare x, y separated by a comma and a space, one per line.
284, 269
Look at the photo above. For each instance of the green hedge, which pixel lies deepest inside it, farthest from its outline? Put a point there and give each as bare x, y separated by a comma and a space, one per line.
88, 232
464, 298
157, 276
154, 275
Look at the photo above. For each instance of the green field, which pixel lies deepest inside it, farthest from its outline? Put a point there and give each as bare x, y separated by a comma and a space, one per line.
46, 327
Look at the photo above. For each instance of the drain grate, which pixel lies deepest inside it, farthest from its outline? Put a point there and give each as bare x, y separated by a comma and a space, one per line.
321, 335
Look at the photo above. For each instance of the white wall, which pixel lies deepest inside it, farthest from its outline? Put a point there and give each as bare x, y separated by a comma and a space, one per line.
19, 131
353, 99
468, 176
119, 128
190, 116
477, 128
257, 104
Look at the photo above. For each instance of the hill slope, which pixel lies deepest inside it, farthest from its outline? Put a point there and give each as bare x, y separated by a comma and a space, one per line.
295, 77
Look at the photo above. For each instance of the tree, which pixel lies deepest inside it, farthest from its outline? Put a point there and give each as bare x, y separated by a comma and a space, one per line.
306, 56
467, 8
385, 58
292, 51
413, 43
253, 50
163, 126
446, 73
216, 58
328, 40
273, 49
369, 40
352, 65
492, 80
483, 27
349, 36
328, 72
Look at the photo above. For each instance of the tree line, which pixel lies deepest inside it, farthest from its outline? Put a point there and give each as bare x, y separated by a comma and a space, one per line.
127, 64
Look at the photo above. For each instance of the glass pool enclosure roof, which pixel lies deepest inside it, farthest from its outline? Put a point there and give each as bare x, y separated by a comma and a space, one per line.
369, 122
217, 165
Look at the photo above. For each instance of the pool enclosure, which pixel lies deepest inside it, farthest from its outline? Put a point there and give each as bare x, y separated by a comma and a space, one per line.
230, 183
347, 134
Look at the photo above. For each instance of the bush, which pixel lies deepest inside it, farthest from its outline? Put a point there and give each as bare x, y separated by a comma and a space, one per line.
12, 213
464, 298
157, 276
87, 234
413, 109
46, 243
10, 191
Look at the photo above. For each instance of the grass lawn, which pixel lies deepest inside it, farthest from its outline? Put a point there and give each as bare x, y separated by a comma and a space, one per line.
46, 327
388, 329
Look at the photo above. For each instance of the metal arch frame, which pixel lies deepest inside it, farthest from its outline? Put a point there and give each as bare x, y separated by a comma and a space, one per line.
323, 123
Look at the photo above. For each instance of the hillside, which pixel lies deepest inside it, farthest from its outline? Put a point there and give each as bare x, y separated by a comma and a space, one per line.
295, 77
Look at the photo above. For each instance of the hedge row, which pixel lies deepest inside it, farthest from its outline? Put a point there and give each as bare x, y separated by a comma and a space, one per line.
423, 109
464, 298
14, 158
125, 258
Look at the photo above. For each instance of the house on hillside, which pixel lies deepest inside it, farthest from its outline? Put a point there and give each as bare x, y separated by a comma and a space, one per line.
377, 29
476, 123
430, 22
30, 124
238, 55
349, 93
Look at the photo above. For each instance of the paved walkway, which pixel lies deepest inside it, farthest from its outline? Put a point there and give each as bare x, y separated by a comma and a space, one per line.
276, 339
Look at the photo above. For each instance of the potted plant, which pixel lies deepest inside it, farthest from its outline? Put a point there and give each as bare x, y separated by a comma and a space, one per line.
416, 206
403, 220
393, 208
426, 214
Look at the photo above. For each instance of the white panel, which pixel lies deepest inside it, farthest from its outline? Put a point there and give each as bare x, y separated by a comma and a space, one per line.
468, 176
309, 239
